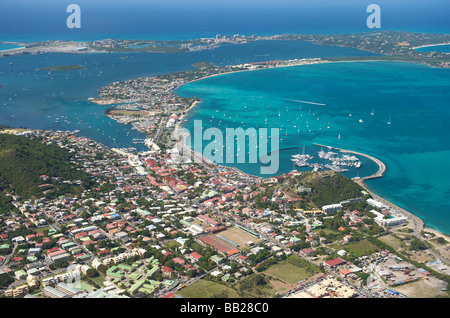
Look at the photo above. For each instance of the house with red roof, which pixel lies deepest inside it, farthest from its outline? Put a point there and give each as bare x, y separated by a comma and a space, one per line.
233, 252
166, 271
243, 259
179, 260
195, 257
331, 264
30, 237
306, 251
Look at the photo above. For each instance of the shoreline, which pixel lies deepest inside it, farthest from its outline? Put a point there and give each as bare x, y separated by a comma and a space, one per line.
418, 224
430, 45
185, 112
380, 164
12, 50
322, 61
103, 102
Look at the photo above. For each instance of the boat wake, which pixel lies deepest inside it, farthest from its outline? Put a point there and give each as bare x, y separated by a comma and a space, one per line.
302, 101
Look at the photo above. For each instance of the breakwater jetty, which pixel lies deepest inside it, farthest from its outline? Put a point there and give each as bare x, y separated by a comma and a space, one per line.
381, 165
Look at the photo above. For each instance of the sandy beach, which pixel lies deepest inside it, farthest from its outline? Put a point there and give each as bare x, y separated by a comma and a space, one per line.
185, 112
430, 45
103, 101
11, 50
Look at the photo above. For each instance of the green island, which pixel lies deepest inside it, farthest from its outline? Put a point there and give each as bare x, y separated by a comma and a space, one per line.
61, 68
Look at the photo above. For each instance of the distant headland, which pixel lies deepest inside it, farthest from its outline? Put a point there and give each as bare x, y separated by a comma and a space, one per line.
392, 45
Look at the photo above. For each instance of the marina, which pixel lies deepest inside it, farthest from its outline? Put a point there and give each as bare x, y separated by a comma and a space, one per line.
332, 161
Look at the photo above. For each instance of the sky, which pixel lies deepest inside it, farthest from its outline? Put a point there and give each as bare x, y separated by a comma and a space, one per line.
100, 16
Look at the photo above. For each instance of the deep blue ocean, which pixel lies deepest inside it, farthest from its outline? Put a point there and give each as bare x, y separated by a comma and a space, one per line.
415, 146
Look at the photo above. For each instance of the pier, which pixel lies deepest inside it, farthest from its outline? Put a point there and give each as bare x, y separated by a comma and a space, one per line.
381, 165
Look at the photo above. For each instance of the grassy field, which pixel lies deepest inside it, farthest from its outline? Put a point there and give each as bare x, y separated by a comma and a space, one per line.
42, 229
172, 244
207, 289
98, 280
268, 290
360, 248
83, 285
239, 237
287, 272
421, 289
392, 241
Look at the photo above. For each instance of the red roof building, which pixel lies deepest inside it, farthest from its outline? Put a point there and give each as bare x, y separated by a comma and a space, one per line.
196, 256
335, 262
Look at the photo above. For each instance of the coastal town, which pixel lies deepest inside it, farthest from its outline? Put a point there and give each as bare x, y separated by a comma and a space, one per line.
147, 224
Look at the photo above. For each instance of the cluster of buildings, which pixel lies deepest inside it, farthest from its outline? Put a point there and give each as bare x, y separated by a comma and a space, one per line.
147, 101
136, 224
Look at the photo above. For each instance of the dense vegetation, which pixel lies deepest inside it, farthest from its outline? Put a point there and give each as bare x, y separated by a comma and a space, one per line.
61, 68
5, 203
23, 161
5, 280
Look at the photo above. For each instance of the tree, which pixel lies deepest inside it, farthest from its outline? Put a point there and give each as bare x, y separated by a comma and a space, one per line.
5, 280
417, 244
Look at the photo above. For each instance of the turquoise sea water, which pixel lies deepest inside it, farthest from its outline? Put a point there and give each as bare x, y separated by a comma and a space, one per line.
413, 97
5, 46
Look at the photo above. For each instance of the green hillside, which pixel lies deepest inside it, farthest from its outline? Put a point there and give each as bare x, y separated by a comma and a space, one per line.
23, 161
328, 187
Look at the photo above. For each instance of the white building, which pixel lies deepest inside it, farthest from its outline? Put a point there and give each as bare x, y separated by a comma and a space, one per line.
332, 208
392, 220
376, 204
